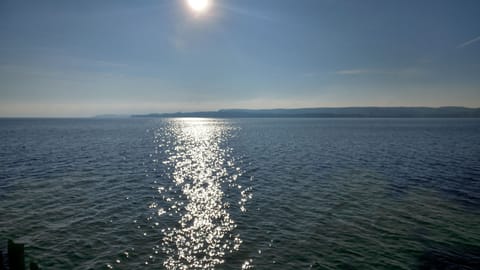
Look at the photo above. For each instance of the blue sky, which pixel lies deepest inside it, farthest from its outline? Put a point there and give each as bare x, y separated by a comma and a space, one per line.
81, 58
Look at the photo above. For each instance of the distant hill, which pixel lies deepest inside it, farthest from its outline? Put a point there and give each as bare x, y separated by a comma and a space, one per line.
109, 116
355, 112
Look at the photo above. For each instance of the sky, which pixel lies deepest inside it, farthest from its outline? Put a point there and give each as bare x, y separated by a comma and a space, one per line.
82, 58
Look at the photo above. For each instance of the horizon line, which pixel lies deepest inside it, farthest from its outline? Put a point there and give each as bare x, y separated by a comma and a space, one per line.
129, 115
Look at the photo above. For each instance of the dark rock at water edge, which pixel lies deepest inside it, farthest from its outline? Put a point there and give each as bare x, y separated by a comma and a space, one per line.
2, 267
15, 258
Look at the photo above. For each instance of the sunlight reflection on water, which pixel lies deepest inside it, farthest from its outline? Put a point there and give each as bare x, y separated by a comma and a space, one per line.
200, 167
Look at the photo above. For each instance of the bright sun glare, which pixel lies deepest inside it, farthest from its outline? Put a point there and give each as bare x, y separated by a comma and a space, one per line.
199, 6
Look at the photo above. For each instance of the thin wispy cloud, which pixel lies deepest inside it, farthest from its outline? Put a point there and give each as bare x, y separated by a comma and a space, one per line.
469, 42
400, 71
358, 71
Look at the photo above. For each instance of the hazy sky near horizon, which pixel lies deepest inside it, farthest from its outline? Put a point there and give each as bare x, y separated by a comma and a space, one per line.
81, 58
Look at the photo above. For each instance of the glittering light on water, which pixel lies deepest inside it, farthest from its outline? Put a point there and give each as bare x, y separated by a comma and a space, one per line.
247, 265
200, 167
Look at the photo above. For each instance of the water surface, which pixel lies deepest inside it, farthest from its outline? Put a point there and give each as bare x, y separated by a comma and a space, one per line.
242, 193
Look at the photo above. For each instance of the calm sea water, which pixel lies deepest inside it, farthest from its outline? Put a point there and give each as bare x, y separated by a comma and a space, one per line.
242, 193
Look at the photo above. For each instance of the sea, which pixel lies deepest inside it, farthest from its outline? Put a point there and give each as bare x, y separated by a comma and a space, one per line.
273, 193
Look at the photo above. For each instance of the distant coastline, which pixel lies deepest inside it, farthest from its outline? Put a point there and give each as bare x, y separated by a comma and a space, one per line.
340, 112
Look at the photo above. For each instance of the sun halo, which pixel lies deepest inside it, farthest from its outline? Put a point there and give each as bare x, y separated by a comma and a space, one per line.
199, 6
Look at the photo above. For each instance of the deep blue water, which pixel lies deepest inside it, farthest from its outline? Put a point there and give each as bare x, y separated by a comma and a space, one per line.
242, 193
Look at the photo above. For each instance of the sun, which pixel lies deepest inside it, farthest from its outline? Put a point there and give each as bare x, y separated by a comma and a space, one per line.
199, 6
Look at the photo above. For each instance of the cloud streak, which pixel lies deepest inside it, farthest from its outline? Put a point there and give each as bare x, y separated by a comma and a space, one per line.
402, 71
358, 71
469, 42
